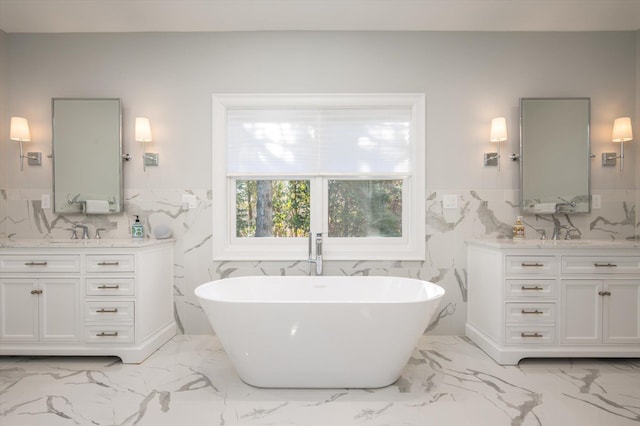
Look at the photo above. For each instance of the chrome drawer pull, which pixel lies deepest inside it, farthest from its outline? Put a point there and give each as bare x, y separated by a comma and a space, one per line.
536, 334
536, 312
605, 265
604, 293
528, 288
36, 292
35, 263
103, 334
107, 311
532, 265
105, 286
116, 263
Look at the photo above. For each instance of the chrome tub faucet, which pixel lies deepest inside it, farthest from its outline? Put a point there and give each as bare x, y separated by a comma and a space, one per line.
317, 259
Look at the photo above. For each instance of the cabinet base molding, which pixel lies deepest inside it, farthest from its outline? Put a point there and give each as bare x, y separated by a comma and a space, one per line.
512, 355
129, 354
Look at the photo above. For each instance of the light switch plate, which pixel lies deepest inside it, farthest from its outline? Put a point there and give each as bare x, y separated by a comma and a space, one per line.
190, 201
45, 201
450, 201
596, 202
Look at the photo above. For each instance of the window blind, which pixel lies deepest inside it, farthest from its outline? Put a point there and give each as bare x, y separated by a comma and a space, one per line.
318, 141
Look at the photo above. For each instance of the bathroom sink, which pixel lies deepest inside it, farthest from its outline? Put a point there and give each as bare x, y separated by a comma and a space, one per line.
588, 243
71, 242
572, 242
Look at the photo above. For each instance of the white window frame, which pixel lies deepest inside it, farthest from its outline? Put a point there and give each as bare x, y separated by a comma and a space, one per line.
411, 246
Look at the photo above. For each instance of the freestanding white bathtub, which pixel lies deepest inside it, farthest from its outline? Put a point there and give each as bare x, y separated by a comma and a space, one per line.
319, 332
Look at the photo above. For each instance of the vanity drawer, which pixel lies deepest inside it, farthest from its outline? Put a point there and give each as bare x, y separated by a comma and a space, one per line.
530, 313
110, 286
531, 289
531, 335
110, 263
601, 264
108, 312
531, 265
108, 334
39, 263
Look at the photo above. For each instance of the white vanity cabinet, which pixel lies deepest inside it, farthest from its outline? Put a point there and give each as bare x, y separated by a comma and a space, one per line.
105, 297
604, 306
554, 299
39, 310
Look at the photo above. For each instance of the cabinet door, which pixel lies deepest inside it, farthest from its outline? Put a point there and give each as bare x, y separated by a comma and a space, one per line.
18, 310
60, 310
581, 312
622, 311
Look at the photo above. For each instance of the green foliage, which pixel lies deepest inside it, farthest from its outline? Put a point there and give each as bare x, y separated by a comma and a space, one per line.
357, 208
365, 208
290, 208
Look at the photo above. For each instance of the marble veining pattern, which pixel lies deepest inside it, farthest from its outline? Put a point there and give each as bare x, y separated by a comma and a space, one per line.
480, 214
190, 382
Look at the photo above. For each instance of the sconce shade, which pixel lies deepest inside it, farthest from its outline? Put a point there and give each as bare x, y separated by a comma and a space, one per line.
498, 130
19, 130
143, 130
622, 131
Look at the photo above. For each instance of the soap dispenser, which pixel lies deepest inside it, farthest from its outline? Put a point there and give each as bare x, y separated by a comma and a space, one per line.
518, 229
137, 229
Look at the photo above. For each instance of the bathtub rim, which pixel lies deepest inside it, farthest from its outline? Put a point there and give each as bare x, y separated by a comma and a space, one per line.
432, 291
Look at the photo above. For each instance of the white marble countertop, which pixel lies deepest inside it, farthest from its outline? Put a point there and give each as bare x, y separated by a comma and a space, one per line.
69, 243
506, 243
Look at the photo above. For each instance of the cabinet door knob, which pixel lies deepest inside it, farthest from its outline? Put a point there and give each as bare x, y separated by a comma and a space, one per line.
38, 291
532, 265
105, 286
107, 311
535, 312
116, 263
604, 293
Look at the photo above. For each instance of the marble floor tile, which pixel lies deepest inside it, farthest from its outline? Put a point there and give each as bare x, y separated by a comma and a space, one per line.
190, 382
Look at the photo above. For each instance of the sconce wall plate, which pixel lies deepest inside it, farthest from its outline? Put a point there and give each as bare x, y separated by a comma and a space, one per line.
151, 159
609, 159
34, 158
490, 158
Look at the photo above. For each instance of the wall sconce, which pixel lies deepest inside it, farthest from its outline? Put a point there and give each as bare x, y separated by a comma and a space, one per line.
622, 133
498, 134
143, 134
19, 131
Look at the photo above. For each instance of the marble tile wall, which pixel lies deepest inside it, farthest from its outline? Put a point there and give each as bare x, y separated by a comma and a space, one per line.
480, 214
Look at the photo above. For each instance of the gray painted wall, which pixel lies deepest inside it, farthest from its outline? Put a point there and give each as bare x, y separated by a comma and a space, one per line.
468, 78
4, 114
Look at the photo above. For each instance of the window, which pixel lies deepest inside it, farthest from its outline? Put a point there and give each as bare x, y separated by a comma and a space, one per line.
349, 166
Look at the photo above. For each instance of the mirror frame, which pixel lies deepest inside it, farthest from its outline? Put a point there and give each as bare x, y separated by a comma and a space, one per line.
120, 202
578, 208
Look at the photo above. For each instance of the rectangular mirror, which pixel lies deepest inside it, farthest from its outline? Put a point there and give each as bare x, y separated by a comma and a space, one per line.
554, 155
87, 155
